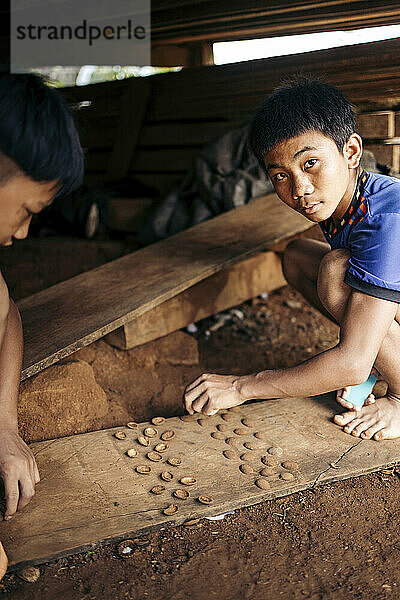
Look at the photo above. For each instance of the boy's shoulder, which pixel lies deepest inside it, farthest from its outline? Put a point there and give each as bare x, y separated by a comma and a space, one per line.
382, 194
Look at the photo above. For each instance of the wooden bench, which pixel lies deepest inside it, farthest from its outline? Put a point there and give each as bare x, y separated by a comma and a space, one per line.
74, 313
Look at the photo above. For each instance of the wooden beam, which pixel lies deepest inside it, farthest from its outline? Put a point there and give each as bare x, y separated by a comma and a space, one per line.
74, 313
248, 279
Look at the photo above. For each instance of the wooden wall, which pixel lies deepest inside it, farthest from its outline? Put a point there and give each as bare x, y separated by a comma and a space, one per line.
152, 127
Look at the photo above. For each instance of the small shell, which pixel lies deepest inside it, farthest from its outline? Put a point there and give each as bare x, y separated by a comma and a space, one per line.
166, 476
241, 431
158, 420
181, 494
154, 456
126, 548
143, 441
251, 445
158, 489
170, 510
205, 499
263, 484
267, 471
167, 435
187, 418
140, 541
247, 456
217, 435
275, 451
29, 574
290, 465
187, 480
143, 469
231, 441
150, 432
227, 417
260, 435
175, 461
131, 452
247, 469
120, 435
131, 425
202, 422
223, 427
229, 454
161, 447
248, 422
191, 522
268, 460
287, 476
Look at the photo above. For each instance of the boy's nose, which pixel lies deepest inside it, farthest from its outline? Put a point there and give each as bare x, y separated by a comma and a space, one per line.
22, 232
301, 187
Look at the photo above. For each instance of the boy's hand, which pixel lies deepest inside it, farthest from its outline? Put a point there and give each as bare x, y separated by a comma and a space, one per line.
18, 470
342, 394
210, 393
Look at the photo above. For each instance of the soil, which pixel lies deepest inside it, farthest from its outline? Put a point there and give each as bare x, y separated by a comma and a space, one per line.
334, 542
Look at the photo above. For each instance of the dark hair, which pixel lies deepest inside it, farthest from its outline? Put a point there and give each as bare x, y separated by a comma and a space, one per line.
38, 133
299, 105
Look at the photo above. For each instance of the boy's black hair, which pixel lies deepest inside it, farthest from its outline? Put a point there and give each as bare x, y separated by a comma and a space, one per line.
299, 105
38, 133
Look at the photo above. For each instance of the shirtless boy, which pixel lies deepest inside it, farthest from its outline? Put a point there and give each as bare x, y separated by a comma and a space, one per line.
304, 137
40, 157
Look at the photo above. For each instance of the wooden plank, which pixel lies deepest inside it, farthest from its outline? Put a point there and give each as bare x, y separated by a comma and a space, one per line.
90, 494
87, 307
248, 279
132, 114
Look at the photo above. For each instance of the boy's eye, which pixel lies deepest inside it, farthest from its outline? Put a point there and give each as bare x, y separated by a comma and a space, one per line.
310, 163
279, 176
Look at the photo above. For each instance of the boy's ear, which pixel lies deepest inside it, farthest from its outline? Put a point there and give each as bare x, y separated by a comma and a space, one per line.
352, 150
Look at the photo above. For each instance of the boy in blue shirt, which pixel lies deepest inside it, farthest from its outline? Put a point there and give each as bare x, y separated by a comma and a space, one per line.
40, 157
304, 137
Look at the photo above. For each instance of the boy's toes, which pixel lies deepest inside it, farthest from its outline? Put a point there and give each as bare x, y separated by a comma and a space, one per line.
360, 429
369, 433
344, 418
383, 434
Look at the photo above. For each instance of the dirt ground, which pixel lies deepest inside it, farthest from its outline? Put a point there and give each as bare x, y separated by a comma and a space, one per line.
334, 542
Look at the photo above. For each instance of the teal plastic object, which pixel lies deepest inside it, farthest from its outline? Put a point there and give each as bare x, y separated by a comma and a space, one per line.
359, 393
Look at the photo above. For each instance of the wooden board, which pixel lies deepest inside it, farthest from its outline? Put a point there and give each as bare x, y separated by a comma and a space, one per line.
90, 494
248, 279
75, 313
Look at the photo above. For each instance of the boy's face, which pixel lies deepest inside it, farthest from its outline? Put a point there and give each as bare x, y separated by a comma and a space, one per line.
20, 199
311, 176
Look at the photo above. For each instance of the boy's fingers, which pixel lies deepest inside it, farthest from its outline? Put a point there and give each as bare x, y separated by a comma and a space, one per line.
36, 473
198, 404
370, 400
12, 496
346, 404
27, 491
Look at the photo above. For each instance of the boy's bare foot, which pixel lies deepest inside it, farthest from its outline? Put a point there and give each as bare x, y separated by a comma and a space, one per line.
3, 561
380, 420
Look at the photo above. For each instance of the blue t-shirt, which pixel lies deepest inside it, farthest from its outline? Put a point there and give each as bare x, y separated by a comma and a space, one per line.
370, 229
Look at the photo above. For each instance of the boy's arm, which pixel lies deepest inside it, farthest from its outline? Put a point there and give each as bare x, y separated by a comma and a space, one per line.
17, 465
363, 329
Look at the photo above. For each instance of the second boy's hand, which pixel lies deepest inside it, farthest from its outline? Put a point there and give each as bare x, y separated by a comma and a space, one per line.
18, 470
17, 464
